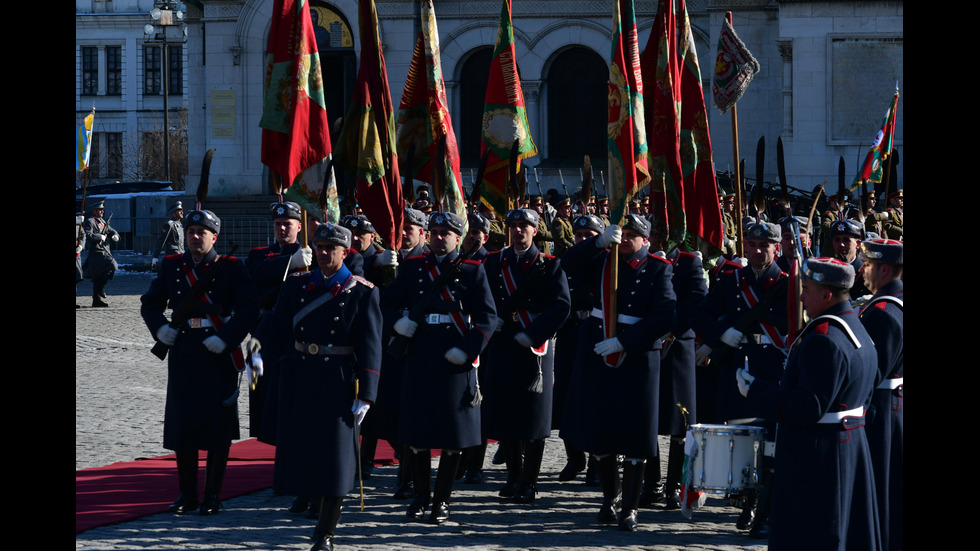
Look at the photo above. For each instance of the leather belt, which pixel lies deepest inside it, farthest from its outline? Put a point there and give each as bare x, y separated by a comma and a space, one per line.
202, 323
315, 349
438, 319
622, 318
835, 417
891, 384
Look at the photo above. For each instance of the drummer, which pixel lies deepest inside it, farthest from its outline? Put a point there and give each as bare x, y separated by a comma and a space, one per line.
740, 319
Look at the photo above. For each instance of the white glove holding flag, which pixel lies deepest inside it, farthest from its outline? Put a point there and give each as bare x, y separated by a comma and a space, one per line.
387, 258
256, 365
612, 234
300, 259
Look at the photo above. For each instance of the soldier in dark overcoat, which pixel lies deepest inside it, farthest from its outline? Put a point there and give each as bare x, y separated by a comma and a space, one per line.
99, 264
326, 327
883, 317
204, 360
440, 392
823, 491
530, 292
613, 398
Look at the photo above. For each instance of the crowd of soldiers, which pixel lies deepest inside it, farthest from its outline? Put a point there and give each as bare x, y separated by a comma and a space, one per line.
482, 328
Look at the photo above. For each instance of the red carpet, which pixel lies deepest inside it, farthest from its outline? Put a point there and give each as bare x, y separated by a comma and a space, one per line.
126, 491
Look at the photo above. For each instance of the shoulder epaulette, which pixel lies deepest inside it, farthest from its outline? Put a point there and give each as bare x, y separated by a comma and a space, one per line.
471, 261
547, 256
822, 328
173, 256
232, 258
363, 281
416, 257
660, 258
685, 253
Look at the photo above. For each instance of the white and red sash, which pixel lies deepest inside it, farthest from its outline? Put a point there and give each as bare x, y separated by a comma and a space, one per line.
523, 316
750, 297
236, 353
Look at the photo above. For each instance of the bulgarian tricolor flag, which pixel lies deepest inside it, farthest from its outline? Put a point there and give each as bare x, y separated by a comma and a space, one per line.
423, 120
367, 141
295, 131
504, 118
880, 149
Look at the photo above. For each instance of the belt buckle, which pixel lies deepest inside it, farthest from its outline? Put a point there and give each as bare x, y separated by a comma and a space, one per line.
194, 323
313, 349
433, 319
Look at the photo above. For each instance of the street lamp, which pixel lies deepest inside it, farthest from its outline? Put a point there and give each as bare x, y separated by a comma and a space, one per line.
164, 16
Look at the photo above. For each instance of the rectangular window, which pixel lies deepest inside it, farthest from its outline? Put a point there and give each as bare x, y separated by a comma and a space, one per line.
113, 70
176, 70
151, 71
113, 145
90, 70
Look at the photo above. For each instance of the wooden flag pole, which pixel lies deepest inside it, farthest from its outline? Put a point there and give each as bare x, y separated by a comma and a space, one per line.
738, 184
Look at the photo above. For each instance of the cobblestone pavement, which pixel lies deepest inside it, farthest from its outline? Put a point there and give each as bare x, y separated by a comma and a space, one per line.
119, 400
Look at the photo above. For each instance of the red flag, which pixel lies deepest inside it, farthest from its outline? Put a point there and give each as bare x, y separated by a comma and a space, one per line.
871, 169
504, 117
423, 119
367, 141
295, 132
683, 188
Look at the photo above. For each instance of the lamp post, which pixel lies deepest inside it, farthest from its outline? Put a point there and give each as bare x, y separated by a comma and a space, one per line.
164, 16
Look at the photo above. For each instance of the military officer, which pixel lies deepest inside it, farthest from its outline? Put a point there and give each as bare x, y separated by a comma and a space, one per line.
883, 317
99, 264
440, 392
326, 327
846, 236
479, 233
531, 296
823, 494
612, 404
894, 227
171, 239
561, 229
205, 358
835, 212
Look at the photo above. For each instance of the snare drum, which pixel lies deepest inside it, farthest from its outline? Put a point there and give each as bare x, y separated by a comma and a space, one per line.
729, 457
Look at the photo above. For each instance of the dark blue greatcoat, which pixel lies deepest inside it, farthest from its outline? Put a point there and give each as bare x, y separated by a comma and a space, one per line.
267, 266
720, 310
315, 452
823, 494
513, 411
566, 342
884, 321
677, 372
385, 413
437, 409
197, 380
615, 410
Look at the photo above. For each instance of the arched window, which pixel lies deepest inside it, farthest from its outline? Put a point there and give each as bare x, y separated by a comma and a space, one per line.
577, 107
472, 89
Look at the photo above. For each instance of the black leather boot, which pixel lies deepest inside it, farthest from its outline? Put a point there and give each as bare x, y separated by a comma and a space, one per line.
591, 476
608, 472
632, 484
187, 502
326, 526
527, 485
653, 484
574, 465
473, 460
514, 457
675, 467
214, 478
406, 486
422, 474
445, 477
369, 446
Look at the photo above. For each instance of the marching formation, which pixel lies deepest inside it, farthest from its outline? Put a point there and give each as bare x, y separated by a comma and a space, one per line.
448, 342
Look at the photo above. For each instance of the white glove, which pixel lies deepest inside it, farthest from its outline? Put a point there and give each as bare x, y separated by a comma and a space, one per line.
744, 381
608, 346
742, 260
661, 254
500, 325
258, 365
523, 339
612, 234
153, 263
302, 258
167, 334
115, 237
405, 327
387, 258
701, 355
98, 237
359, 409
214, 344
732, 337
455, 356
252, 346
